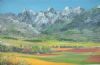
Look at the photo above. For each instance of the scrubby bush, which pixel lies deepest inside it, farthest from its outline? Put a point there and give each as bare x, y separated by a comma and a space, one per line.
9, 60
4, 48
34, 40
41, 49
6, 37
16, 49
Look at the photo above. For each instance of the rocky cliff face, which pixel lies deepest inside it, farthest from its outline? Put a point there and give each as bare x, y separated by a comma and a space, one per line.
30, 23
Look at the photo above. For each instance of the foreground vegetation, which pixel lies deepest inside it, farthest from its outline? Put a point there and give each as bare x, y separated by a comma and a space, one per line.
44, 50
11, 60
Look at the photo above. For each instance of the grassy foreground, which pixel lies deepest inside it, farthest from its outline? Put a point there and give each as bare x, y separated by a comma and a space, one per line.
15, 57
42, 52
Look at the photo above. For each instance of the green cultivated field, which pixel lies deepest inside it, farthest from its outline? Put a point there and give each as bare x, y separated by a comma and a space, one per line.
46, 47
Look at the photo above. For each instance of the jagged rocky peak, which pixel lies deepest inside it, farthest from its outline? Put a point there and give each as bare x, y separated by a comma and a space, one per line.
67, 10
52, 10
27, 16
28, 11
41, 13
78, 10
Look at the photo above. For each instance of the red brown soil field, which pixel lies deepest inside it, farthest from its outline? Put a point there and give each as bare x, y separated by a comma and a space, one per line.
47, 54
95, 58
77, 49
86, 50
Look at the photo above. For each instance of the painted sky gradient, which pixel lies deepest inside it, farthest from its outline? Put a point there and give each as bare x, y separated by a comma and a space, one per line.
38, 5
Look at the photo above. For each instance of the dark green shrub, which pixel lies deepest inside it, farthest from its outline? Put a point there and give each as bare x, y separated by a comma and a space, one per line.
41, 49
4, 48
9, 38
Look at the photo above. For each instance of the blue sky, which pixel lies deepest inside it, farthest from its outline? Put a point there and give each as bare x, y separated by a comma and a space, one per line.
38, 5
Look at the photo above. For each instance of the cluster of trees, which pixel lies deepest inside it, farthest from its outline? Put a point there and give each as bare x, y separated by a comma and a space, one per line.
4, 48
32, 50
41, 49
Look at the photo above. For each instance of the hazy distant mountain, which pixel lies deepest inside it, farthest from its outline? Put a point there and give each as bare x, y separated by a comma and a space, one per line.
10, 25
51, 21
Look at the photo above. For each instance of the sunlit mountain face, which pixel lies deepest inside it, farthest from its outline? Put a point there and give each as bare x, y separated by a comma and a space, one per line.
68, 18
29, 23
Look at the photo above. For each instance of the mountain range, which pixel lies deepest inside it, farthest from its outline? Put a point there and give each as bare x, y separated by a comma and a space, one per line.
68, 24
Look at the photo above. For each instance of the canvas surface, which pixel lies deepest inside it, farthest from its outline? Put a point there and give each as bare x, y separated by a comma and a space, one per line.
49, 32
